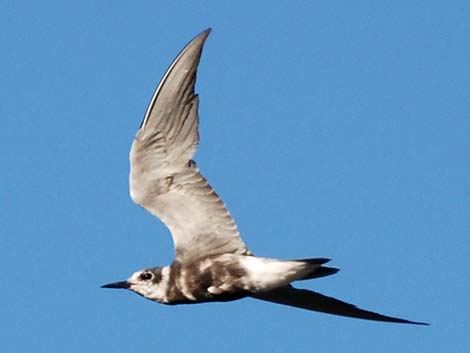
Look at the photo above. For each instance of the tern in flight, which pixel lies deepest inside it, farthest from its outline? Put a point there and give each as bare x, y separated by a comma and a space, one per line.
212, 263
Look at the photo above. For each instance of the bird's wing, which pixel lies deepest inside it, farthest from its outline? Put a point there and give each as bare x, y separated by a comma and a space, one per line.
307, 299
163, 178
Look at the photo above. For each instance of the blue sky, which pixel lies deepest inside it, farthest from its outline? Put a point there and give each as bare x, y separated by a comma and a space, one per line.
331, 129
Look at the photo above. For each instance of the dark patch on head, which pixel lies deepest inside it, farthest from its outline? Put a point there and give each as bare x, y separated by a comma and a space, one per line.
145, 276
151, 274
157, 275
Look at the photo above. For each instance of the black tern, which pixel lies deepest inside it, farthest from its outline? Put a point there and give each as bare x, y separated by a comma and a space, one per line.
212, 263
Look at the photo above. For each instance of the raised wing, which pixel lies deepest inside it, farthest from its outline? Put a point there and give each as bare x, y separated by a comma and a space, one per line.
163, 178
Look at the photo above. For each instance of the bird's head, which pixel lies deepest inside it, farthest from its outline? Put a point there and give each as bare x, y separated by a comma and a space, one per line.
150, 283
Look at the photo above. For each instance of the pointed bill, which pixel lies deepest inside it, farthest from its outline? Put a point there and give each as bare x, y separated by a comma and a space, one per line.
120, 285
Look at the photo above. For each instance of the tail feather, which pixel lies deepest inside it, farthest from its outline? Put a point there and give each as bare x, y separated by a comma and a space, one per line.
306, 299
317, 269
322, 271
314, 261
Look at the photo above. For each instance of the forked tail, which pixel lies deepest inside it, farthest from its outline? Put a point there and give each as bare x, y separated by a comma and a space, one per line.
318, 270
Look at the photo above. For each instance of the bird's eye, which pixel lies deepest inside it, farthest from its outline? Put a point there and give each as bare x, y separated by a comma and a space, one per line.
145, 276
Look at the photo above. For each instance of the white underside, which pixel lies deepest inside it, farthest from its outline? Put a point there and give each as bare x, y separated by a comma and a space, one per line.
264, 274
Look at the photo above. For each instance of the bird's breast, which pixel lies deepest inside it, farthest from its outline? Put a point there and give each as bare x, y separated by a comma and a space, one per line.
214, 278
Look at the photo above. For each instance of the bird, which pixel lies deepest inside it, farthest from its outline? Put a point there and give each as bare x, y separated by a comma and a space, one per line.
212, 263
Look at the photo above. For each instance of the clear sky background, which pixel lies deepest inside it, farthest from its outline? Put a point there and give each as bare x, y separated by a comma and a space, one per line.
333, 129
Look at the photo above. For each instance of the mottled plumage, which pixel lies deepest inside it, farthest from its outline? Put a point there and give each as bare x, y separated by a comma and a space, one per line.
212, 263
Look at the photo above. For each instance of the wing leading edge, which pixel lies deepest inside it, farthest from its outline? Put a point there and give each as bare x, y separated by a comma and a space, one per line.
163, 178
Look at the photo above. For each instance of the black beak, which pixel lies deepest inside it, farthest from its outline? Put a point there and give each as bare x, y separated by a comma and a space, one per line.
122, 285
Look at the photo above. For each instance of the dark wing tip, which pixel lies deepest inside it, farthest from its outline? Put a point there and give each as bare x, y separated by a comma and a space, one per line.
310, 300
417, 323
186, 65
201, 37
206, 32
